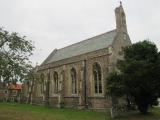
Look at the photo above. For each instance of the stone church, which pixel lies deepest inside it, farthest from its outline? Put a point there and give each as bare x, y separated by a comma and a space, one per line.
75, 76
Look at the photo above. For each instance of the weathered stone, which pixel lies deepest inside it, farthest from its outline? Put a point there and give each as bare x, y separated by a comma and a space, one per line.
83, 64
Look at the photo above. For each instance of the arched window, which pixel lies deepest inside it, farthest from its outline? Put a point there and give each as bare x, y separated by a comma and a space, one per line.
61, 86
51, 85
55, 76
47, 84
97, 77
42, 83
74, 81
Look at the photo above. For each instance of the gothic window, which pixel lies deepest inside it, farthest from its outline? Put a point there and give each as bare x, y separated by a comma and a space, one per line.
42, 83
55, 76
51, 86
74, 81
97, 77
47, 83
61, 81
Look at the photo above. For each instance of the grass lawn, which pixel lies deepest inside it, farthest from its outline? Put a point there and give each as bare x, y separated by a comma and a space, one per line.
10, 111
154, 114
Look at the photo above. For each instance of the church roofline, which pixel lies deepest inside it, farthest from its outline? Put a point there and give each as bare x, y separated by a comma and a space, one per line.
91, 44
55, 50
87, 39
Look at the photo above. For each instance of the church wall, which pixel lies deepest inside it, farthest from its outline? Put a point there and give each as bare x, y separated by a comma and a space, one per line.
93, 54
76, 100
107, 60
53, 101
122, 40
37, 100
97, 101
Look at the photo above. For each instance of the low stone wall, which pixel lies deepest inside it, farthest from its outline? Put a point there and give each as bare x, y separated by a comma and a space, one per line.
38, 100
72, 102
98, 103
53, 101
93, 103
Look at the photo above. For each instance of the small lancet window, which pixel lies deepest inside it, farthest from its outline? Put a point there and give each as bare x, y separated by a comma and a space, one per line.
97, 77
74, 81
55, 76
42, 83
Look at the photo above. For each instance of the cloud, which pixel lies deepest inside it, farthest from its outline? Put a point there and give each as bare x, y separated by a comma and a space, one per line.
57, 23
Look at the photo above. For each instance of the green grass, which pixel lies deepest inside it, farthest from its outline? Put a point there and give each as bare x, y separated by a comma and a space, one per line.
10, 111
153, 114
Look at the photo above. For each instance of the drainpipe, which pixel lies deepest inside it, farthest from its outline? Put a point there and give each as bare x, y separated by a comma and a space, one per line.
85, 83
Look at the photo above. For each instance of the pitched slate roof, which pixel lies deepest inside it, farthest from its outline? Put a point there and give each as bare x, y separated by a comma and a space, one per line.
89, 45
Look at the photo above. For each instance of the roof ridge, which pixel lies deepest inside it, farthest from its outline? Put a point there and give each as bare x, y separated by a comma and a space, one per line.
88, 39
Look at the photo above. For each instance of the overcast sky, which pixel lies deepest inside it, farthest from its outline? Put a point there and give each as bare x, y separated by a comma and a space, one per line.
54, 24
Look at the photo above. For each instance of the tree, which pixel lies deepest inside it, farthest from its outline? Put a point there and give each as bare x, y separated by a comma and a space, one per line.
31, 78
139, 75
14, 56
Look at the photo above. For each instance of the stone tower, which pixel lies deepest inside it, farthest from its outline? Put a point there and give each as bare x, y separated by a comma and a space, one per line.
120, 19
